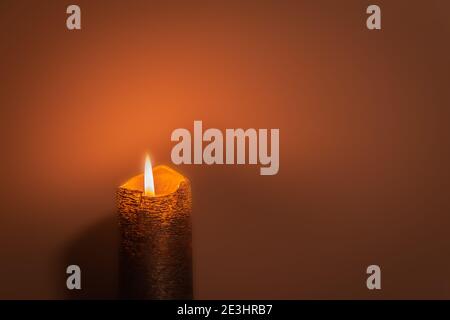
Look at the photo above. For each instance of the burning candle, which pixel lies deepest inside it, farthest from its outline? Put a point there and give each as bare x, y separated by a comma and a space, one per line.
155, 227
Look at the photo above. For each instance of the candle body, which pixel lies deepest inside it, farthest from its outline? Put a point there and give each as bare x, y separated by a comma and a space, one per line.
155, 259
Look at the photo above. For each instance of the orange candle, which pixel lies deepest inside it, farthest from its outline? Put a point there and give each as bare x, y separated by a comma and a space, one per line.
155, 226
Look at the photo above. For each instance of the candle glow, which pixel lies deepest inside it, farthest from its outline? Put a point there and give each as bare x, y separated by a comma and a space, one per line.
149, 186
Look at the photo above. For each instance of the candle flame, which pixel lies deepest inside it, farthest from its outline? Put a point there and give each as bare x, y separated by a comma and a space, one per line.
149, 186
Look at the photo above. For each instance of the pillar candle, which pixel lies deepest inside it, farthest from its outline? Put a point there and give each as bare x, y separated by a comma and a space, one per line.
155, 259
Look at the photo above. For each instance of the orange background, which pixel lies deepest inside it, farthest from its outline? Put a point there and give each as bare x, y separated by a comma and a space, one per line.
364, 142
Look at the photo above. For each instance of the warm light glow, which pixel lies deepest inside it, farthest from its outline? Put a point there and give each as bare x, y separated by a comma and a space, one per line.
149, 186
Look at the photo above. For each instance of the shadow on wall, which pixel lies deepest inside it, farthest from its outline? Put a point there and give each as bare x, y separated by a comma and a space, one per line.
96, 252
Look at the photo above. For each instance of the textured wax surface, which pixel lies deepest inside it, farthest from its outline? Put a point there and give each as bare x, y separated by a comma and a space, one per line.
155, 259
